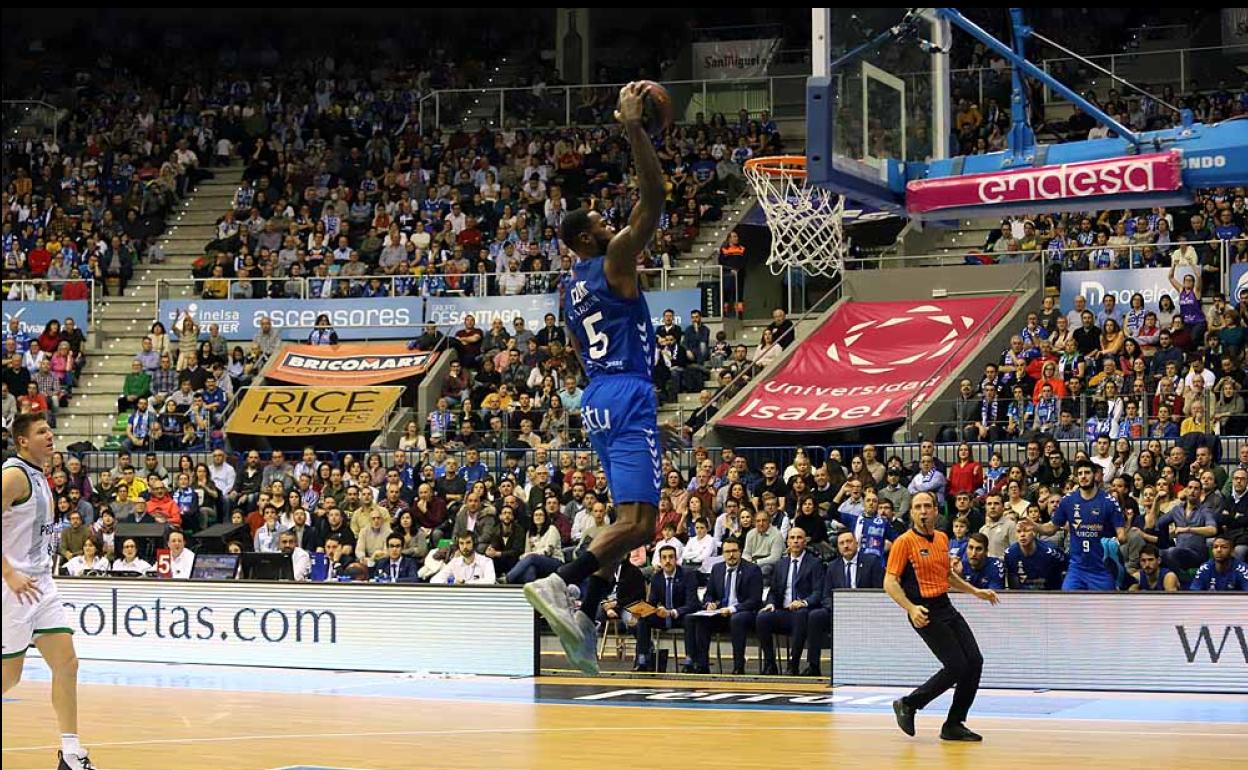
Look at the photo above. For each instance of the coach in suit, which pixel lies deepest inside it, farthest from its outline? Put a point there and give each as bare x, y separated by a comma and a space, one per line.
395, 568
865, 571
674, 591
735, 591
796, 586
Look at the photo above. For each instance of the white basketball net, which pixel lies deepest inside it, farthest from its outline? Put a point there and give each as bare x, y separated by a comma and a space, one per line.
806, 221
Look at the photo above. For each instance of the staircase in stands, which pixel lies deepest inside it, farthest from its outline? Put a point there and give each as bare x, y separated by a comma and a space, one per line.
122, 321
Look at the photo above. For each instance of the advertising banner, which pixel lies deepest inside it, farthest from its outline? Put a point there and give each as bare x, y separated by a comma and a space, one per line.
33, 316
265, 411
679, 301
353, 319
727, 59
351, 363
866, 362
1150, 283
303, 625
448, 312
1238, 284
1136, 175
1180, 642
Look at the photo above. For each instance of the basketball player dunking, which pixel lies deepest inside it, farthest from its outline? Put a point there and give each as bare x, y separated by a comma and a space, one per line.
614, 337
33, 613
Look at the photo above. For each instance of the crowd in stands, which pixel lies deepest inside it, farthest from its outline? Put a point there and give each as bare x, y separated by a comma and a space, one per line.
1124, 373
486, 516
1197, 237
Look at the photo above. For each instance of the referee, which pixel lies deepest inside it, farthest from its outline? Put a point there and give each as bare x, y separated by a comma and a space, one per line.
918, 577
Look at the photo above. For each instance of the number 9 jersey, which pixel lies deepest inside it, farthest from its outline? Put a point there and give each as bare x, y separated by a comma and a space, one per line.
614, 334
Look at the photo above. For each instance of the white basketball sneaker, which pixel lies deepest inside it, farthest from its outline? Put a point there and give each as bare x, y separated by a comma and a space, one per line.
552, 598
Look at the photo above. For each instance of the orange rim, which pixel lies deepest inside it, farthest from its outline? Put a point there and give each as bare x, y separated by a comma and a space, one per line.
778, 165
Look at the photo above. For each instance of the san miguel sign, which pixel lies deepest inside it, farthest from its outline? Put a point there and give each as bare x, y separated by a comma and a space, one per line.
362, 363
866, 362
1158, 173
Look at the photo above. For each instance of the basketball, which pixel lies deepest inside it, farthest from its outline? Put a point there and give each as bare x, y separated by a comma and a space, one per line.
658, 110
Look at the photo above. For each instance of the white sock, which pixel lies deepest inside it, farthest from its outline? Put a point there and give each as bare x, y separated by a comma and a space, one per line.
70, 745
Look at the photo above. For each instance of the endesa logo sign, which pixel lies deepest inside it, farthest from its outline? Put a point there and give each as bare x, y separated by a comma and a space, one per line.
364, 363
1160, 172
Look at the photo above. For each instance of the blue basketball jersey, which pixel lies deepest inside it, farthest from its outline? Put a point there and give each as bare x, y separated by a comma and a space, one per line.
1090, 520
615, 335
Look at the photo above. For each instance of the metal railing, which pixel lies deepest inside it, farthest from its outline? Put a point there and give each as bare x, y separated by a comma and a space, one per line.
29, 290
1184, 69
470, 284
32, 117
592, 105
1011, 452
955, 357
1093, 416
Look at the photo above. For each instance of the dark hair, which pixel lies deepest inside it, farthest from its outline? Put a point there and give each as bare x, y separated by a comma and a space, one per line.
389, 539
665, 548
978, 537
574, 224
1086, 464
1151, 550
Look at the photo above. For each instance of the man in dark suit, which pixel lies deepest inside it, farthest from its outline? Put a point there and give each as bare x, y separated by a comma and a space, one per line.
674, 591
796, 586
865, 571
395, 568
735, 591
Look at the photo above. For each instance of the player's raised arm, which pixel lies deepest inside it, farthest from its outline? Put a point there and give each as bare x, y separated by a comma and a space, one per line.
621, 262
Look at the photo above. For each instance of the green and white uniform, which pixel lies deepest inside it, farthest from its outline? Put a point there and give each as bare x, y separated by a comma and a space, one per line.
27, 537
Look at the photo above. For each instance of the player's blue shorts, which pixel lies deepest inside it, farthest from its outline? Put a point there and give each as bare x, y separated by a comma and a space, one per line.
621, 415
1079, 580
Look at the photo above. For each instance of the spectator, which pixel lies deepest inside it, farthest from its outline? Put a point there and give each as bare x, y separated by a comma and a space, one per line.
466, 566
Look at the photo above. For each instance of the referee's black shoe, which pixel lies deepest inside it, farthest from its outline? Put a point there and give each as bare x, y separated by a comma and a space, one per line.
905, 717
958, 732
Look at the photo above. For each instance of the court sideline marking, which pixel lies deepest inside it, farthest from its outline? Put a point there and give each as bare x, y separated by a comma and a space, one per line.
542, 730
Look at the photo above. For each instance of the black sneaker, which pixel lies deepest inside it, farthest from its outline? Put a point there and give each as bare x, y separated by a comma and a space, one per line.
81, 762
958, 732
905, 717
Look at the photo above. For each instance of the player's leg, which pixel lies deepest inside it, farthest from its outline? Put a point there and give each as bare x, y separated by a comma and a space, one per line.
632, 458
18, 629
968, 678
56, 645
12, 670
944, 644
1074, 581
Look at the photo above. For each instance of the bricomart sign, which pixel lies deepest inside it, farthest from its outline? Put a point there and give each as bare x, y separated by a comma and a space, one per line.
265, 411
1180, 642
302, 625
363, 363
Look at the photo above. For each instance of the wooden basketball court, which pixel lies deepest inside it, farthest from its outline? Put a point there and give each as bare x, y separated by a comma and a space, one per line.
147, 716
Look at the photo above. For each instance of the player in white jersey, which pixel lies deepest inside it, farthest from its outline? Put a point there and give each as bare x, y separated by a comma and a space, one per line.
33, 613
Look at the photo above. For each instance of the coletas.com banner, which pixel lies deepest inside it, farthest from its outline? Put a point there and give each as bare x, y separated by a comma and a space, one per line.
302, 625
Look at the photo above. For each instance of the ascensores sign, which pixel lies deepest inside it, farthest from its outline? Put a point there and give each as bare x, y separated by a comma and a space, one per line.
265, 411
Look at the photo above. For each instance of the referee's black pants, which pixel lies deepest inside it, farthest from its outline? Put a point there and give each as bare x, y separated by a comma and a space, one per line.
950, 639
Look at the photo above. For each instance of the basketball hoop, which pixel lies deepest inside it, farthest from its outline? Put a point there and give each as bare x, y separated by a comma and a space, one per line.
806, 221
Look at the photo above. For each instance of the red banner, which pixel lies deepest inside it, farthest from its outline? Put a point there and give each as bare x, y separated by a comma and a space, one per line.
867, 361
1158, 172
